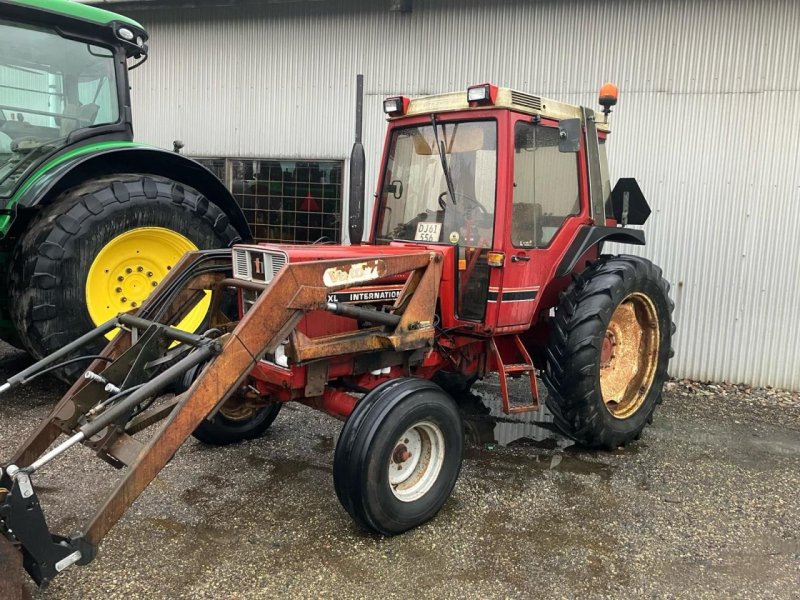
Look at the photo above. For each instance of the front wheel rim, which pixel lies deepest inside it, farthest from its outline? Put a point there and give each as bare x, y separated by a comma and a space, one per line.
629, 355
416, 461
129, 267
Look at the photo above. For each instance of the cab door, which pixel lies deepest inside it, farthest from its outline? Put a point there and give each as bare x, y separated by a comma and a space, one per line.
546, 200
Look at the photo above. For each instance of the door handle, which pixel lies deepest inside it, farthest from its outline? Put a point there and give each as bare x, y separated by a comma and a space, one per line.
520, 258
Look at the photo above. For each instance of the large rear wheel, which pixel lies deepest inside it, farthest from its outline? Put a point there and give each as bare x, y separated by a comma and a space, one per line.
609, 349
100, 249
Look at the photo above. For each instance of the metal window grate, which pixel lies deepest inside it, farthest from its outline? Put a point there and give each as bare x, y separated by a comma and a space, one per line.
285, 201
215, 165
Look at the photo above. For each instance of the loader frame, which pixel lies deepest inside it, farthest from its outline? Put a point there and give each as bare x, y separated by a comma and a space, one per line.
118, 395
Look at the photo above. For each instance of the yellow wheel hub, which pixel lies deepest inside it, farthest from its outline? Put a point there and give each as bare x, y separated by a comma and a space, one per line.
129, 267
629, 356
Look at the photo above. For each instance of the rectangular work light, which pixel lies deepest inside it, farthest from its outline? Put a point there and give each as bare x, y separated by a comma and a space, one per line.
484, 93
395, 106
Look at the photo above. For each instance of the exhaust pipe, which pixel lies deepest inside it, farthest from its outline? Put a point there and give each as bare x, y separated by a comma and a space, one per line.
357, 172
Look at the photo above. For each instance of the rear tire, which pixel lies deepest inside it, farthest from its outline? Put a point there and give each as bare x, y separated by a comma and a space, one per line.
51, 262
398, 455
609, 349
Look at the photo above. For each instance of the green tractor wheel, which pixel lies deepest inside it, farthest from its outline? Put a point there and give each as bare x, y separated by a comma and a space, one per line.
100, 249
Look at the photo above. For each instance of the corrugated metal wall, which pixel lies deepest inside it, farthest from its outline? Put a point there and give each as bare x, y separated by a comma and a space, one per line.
708, 122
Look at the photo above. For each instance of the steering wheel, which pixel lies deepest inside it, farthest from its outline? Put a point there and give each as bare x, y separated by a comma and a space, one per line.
470, 204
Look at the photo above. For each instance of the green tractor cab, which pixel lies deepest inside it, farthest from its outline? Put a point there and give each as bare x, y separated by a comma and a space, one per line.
90, 221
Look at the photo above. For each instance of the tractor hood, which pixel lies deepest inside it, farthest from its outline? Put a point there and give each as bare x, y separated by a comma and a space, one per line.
259, 263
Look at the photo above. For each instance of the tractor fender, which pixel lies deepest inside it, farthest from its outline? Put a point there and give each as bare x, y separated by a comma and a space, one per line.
590, 235
130, 158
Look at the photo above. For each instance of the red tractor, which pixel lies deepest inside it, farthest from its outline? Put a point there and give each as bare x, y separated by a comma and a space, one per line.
484, 255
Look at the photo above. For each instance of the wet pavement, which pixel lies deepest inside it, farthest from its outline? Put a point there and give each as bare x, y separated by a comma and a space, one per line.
705, 505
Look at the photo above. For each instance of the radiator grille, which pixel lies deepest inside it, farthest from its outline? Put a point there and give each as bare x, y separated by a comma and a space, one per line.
241, 264
278, 260
252, 264
526, 100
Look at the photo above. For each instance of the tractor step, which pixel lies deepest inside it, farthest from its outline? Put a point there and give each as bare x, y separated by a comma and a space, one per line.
518, 368
512, 359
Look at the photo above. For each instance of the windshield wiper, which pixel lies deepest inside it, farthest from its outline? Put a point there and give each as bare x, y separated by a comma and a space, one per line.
443, 158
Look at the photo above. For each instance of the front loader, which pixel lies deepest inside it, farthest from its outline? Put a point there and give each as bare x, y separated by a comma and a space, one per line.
483, 256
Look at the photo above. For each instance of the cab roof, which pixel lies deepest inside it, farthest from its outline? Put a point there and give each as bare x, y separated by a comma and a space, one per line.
74, 11
506, 98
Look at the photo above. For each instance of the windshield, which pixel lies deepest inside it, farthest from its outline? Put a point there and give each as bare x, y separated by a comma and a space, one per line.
49, 87
415, 202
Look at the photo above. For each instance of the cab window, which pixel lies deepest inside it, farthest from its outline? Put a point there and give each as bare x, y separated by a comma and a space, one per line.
545, 185
415, 201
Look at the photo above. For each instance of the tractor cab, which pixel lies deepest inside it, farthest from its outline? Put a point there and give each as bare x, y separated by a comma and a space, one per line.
498, 180
63, 78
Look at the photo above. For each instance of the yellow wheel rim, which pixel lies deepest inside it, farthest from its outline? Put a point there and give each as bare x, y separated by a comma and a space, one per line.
129, 267
629, 356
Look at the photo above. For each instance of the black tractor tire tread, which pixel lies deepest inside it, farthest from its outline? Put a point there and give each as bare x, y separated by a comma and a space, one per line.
354, 448
40, 255
220, 432
341, 458
576, 340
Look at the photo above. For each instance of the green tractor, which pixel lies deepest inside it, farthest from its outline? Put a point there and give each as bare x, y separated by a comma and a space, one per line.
90, 221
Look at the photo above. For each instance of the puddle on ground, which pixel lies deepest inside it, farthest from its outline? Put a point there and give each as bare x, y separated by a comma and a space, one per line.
287, 468
507, 465
486, 423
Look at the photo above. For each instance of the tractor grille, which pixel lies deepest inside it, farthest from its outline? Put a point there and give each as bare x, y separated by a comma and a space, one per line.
241, 264
526, 100
255, 264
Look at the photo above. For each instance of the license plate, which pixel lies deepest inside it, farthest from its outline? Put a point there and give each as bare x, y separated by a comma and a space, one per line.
428, 232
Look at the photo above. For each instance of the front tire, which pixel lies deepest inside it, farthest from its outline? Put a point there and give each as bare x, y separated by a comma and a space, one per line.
398, 455
100, 249
227, 427
243, 416
609, 349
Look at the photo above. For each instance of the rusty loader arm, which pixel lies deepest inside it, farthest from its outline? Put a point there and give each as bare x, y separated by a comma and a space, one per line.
125, 391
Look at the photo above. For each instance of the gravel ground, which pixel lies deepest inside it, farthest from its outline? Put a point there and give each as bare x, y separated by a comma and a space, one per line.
705, 505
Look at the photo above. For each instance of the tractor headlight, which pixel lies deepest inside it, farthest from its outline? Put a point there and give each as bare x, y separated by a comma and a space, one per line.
395, 106
485, 93
126, 34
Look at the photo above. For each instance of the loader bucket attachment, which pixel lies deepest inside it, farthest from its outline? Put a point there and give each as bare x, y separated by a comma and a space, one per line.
122, 393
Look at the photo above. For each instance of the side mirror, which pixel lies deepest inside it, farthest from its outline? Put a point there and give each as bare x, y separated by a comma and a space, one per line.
569, 135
